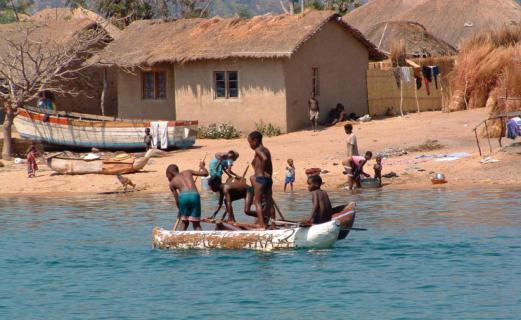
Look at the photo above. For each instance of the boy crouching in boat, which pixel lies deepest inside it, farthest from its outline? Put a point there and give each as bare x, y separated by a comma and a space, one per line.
229, 192
322, 210
185, 192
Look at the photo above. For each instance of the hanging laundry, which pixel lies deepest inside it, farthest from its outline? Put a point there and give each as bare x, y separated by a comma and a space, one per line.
513, 129
418, 78
435, 71
406, 74
396, 73
159, 132
426, 71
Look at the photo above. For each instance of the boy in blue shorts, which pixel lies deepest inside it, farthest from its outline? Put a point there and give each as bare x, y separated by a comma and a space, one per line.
290, 175
185, 192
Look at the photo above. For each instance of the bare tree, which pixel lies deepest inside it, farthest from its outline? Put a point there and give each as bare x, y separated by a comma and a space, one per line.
33, 61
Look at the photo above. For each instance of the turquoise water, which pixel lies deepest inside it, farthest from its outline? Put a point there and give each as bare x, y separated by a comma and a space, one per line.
427, 254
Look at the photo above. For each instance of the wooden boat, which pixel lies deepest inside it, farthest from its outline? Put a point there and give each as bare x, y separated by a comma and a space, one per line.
79, 130
68, 165
318, 236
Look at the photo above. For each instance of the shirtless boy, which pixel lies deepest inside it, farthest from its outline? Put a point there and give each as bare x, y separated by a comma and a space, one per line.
185, 192
230, 192
378, 169
321, 204
262, 181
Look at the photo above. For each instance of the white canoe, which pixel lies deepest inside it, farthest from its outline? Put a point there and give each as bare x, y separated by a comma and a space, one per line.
79, 130
318, 236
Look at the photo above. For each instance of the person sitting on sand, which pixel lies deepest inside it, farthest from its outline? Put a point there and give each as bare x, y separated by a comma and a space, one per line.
262, 180
354, 169
230, 192
322, 210
32, 166
223, 162
336, 115
185, 192
378, 169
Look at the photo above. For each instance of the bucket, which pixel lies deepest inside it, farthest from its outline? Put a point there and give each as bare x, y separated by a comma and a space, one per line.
204, 183
370, 183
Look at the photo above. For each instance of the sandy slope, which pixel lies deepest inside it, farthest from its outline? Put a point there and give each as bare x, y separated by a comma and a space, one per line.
325, 150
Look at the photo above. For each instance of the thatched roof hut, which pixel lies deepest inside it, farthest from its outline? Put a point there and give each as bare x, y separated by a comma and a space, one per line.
51, 15
418, 41
449, 20
149, 42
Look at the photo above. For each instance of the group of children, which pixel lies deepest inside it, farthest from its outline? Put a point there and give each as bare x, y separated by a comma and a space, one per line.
259, 194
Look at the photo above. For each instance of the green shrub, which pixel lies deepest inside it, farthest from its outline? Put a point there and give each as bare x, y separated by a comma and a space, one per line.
268, 129
218, 131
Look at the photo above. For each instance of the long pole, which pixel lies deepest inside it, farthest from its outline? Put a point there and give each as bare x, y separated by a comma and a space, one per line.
477, 142
488, 137
401, 96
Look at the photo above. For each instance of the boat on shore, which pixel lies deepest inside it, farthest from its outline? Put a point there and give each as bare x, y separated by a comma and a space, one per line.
78, 130
62, 164
319, 236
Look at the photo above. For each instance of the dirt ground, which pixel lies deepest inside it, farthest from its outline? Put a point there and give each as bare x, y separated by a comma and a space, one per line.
326, 150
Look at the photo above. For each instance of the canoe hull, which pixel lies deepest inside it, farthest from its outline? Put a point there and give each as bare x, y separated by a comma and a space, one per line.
79, 166
99, 132
319, 236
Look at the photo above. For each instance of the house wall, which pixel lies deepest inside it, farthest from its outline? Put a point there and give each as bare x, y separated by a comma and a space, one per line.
342, 61
262, 94
384, 94
130, 96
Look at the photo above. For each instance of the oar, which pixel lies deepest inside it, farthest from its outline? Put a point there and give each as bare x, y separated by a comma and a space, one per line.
278, 210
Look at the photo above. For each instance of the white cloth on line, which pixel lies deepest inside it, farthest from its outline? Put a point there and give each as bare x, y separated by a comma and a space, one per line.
162, 132
406, 74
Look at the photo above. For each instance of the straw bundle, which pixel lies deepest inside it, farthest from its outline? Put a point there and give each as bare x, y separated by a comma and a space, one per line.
484, 66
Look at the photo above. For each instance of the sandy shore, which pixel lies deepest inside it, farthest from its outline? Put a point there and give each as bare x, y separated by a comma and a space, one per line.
325, 150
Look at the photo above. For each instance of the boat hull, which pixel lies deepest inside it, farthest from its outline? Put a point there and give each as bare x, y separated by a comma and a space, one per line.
320, 236
96, 132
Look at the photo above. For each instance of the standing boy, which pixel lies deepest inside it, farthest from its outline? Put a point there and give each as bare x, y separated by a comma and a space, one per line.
321, 204
262, 181
314, 111
378, 169
352, 145
290, 175
32, 166
148, 139
185, 192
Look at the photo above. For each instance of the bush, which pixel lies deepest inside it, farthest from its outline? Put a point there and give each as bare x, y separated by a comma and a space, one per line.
218, 131
268, 129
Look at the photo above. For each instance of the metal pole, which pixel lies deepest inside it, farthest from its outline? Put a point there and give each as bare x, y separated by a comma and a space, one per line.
477, 142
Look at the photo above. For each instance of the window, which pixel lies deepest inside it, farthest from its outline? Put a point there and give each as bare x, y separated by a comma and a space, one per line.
226, 84
316, 84
154, 85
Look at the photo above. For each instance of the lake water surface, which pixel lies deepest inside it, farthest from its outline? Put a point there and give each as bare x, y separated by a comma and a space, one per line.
427, 254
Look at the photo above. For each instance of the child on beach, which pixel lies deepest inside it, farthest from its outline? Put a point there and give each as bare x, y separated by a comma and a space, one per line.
262, 181
32, 167
378, 169
354, 169
290, 175
314, 111
185, 192
148, 139
322, 210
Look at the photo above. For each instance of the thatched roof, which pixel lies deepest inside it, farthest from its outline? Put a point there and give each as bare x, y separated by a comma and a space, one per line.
68, 14
449, 20
149, 42
418, 41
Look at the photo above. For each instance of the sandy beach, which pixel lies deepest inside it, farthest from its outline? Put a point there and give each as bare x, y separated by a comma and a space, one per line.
325, 150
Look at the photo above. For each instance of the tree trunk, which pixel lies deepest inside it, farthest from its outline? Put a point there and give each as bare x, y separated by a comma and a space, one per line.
7, 148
